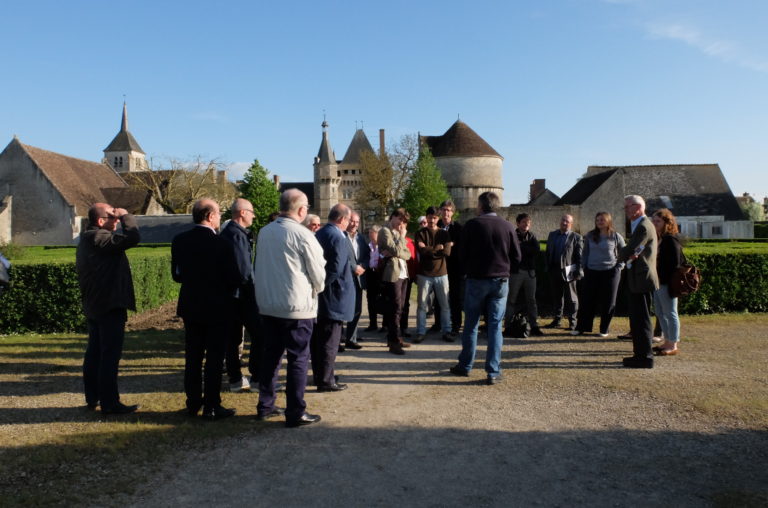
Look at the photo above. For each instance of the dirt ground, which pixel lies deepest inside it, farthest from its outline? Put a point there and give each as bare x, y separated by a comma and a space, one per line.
567, 427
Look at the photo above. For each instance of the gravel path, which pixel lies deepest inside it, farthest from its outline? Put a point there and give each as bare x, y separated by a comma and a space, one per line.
556, 432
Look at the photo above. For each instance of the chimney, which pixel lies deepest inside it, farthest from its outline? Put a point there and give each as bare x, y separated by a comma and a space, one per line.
382, 148
537, 188
276, 179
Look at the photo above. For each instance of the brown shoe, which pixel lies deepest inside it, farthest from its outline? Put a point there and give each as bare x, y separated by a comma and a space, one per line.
396, 349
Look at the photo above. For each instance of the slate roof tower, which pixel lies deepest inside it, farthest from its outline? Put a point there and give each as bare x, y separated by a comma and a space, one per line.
124, 154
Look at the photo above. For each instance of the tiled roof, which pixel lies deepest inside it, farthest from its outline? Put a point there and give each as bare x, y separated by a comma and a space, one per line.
584, 188
358, 145
124, 141
79, 181
459, 141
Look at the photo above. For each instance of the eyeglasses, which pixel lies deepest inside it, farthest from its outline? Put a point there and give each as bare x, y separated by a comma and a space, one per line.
246, 210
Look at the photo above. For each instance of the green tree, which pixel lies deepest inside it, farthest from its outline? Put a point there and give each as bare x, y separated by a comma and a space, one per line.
753, 210
260, 190
426, 186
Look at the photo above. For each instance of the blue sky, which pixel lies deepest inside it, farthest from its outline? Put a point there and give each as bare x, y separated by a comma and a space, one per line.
554, 86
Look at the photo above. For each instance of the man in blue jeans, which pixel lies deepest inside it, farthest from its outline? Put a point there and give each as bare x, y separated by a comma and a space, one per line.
489, 246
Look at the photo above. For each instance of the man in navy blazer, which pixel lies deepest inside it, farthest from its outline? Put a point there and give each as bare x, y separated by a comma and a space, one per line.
361, 256
204, 264
336, 303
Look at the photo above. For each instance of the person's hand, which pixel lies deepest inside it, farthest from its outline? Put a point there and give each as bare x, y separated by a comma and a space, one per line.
359, 270
119, 212
421, 245
439, 247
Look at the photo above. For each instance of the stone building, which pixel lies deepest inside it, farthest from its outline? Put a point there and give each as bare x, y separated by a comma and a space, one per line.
124, 154
697, 194
46, 195
469, 165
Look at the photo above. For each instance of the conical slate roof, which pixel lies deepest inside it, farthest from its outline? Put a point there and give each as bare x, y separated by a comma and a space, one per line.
459, 141
358, 145
325, 153
124, 141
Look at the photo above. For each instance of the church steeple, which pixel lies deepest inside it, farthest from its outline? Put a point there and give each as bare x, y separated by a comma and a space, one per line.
124, 153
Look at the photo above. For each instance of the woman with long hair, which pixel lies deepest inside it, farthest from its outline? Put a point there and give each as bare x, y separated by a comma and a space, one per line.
602, 273
669, 257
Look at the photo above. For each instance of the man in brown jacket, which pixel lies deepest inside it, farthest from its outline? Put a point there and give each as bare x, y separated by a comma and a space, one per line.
434, 246
394, 275
107, 291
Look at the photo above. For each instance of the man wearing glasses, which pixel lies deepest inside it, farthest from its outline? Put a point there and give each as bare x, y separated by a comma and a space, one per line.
107, 292
246, 312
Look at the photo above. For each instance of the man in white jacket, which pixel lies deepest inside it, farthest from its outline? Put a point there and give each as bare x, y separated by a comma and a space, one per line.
290, 272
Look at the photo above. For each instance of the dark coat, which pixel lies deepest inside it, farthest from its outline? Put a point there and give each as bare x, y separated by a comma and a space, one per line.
242, 244
670, 257
489, 247
103, 270
363, 259
455, 230
204, 264
571, 254
337, 301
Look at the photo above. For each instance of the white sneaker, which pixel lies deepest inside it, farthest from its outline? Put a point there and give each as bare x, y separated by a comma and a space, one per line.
602, 335
240, 386
658, 340
575, 332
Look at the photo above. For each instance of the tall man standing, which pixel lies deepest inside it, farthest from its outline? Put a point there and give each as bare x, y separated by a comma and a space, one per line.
640, 256
563, 262
455, 266
394, 276
245, 310
204, 264
107, 292
290, 273
434, 246
361, 259
489, 248
337, 301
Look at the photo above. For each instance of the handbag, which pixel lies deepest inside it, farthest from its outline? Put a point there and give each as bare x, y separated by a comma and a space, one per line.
685, 280
519, 328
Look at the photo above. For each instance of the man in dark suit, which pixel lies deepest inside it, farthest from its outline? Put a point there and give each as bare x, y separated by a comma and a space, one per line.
642, 280
563, 263
246, 312
107, 292
204, 264
337, 301
361, 256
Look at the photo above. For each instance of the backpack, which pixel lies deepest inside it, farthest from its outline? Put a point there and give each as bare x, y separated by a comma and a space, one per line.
519, 328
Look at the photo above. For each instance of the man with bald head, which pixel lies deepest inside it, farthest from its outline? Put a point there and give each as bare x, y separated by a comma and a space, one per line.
204, 264
106, 287
563, 264
290, 273
246, 312
337, 301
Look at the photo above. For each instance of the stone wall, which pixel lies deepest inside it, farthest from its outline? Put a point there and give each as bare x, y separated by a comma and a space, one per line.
468, 177
40, 215
6, 207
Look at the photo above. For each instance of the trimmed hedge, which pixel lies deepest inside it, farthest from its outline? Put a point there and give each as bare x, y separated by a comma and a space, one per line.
45, 297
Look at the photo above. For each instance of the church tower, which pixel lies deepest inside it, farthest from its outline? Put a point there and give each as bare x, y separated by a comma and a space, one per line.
327, 177
124, 154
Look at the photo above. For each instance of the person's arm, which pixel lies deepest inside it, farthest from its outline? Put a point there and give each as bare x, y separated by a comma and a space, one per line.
635, 241
314, 262
241, 247
109, 242
175, 259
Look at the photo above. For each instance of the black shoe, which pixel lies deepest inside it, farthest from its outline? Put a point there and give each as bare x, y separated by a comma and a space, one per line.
342, 348
536, 332
276, 411
305, 419
493, 380
193, 410
383, 329
352, 345
91, 405
335, 387
449, 337
120, 409
218, 413
405, 334
633, 362
571, 324
554, 324
371, 328
396, 349
434, 328
458, 371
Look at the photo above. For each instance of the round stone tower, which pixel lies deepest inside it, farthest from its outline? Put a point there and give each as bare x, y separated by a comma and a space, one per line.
470, 166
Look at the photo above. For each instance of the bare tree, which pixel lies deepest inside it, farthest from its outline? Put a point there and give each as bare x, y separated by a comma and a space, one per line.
177, 183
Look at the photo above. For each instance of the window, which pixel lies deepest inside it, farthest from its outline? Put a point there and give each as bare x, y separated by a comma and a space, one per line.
121, 162
717, 230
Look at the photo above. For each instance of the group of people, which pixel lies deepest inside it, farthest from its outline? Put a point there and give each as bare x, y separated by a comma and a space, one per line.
300, 294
